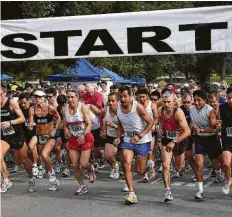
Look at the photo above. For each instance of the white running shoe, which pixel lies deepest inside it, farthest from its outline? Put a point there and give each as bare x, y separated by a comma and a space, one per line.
219, 178
114, 174
66, 172
16, 169
54, 183
125, 188
81, 190
5, 185
226, 188
168, 196
41, 173
35, 170
199, 195
31, 187
161, 168
58, 168
145, 178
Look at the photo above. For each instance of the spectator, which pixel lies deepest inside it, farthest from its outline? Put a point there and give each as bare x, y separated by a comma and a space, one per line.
92, 97
134, 88
150, 86
105, 92
29, 88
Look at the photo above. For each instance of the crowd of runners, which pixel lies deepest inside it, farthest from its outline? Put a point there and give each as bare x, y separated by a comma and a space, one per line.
88, 125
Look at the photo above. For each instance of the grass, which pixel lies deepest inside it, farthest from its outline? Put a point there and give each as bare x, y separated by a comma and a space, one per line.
216, 78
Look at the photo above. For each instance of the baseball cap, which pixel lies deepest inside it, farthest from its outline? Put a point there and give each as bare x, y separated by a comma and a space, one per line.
14, 87
184, 90
39, 93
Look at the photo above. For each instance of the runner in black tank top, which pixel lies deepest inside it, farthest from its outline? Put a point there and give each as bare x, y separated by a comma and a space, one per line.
12, 138
30, 135
43, 114
226, 129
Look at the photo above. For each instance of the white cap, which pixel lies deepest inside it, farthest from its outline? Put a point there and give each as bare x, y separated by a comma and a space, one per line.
39, 93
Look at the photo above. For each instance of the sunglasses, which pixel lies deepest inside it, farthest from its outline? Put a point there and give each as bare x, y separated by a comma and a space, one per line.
150, 86
49, 96
152, 99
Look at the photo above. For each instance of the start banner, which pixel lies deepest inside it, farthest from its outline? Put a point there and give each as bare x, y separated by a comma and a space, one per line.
178, 31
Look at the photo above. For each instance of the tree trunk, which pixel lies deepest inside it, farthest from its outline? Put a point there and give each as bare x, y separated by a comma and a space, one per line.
222, 69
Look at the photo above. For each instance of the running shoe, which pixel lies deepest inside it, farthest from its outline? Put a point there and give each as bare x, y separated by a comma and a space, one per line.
31, 187
131, 198
41, 173
168, 196
226, 188
54, 185
219, 178
145, 178
92, 175
81, 190
125, 188
35, 170
114, 174
16, 169
58, 168
199, 195
66, 172
161, 168
5, 185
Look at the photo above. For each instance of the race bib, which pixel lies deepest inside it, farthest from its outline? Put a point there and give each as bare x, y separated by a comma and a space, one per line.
171, 134
132, 134
229, 131
8, 131
43, 139
76, 129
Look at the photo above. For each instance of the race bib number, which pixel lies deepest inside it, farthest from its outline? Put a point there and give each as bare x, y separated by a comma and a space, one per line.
8, 131
76, 129
43, 139
171, 134
132, 134
229, 131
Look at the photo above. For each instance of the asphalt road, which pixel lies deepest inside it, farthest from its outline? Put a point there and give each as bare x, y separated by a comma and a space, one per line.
105, 198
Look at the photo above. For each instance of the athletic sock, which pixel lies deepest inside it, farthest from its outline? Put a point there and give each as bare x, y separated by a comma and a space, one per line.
200, 186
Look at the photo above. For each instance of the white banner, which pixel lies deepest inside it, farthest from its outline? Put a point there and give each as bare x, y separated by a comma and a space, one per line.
179, 31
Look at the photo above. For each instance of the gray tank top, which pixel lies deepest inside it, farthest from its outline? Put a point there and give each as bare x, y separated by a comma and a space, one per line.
201, 118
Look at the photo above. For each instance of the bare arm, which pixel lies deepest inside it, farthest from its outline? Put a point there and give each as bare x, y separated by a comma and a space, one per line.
145, 116
212, 123
180, 117
56, 115
14, 106
88, 122
155, 113
31, 118
95, 110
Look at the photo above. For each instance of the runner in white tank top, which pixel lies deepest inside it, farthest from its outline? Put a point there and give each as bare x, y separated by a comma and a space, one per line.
109, 126
151, 108
77, 128
137, 124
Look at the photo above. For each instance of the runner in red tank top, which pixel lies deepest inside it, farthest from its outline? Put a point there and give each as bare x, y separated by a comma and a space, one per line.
174, 130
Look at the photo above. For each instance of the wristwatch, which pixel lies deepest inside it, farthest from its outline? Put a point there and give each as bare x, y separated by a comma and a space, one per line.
12, 122
201, 130
139, 136
174, 141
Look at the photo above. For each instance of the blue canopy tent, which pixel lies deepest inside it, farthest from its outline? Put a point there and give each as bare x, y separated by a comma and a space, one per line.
138, 80
105, 73
5, 77
82, 70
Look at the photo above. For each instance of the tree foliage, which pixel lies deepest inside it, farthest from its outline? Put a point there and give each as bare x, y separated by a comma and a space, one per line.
148, 67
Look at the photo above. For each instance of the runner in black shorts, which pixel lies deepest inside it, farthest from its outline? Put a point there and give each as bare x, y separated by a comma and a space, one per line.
30, 135
12, 138
226, 128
